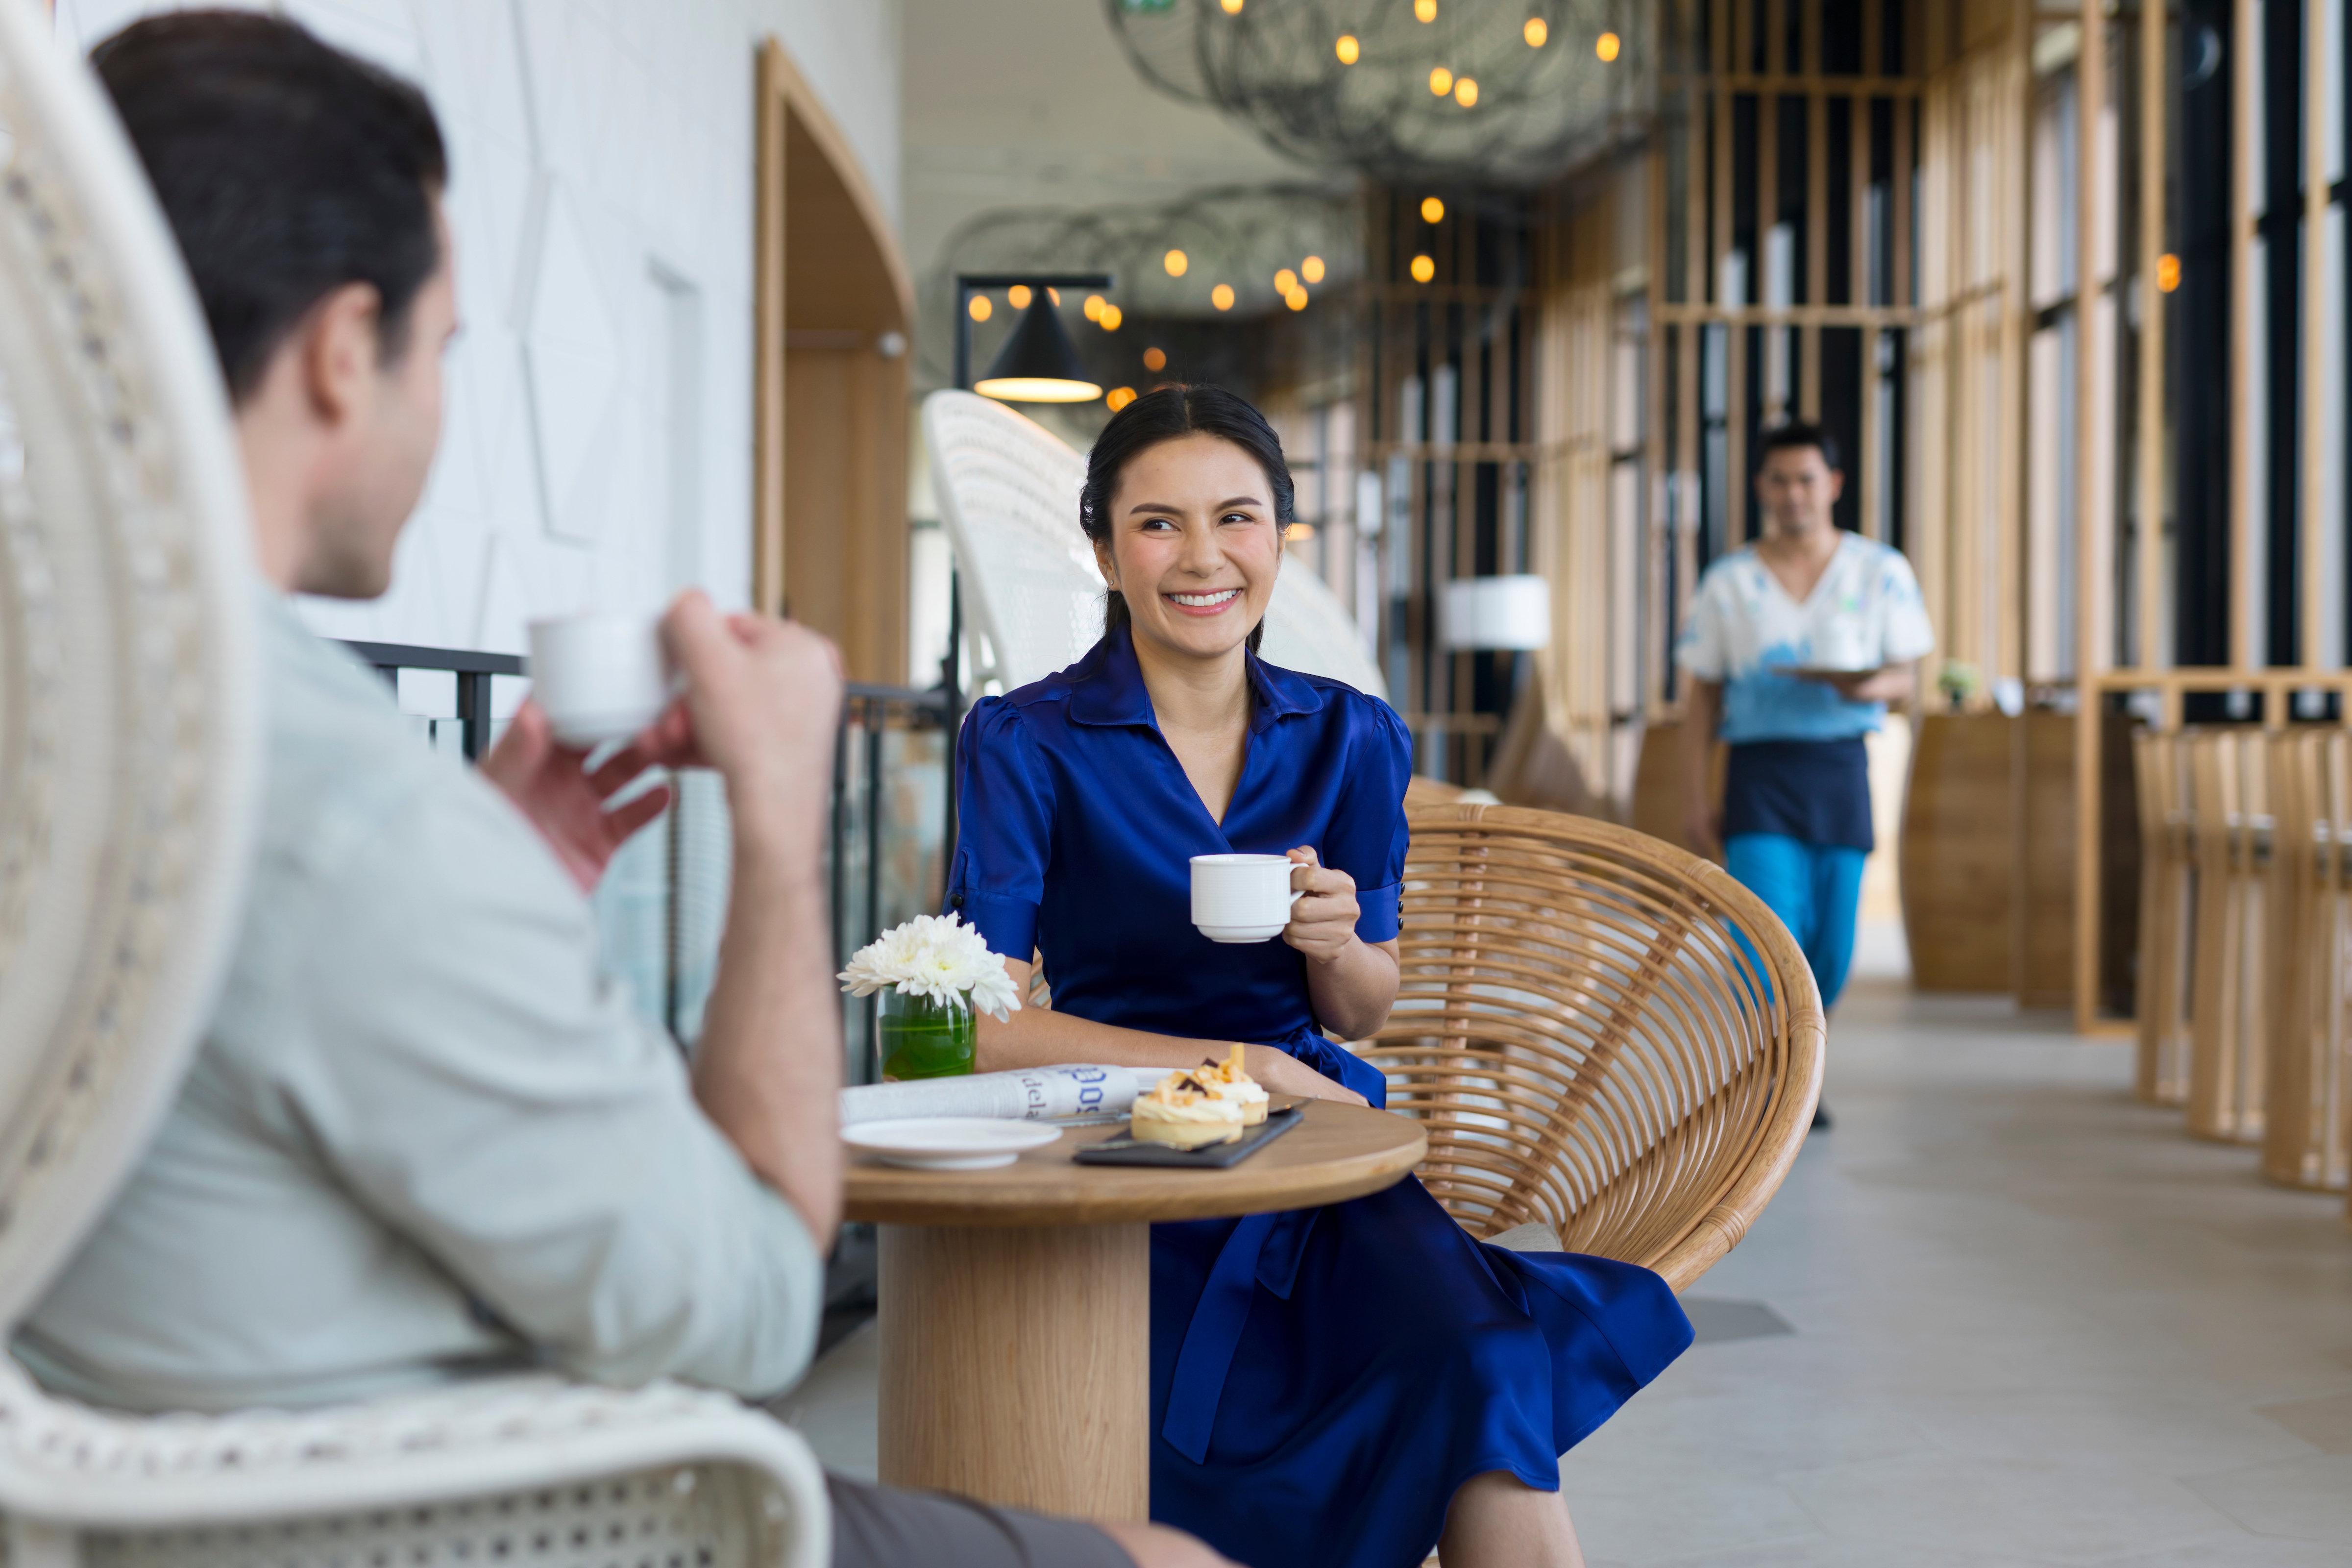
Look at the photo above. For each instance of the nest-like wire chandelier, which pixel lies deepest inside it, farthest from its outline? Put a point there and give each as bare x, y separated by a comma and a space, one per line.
1499, 92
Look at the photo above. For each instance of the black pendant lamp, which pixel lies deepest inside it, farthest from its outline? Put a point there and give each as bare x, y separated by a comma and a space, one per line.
1038, 363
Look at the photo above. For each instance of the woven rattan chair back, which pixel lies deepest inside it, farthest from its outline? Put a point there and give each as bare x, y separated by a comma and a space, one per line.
1601, 1031
2167, 882
2228, 807
2304, 1104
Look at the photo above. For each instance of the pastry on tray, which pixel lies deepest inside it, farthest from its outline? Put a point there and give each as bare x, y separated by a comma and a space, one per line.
1184, 1112
1227, 1080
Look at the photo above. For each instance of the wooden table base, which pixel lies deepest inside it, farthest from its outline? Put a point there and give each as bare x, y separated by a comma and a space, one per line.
1017, 1365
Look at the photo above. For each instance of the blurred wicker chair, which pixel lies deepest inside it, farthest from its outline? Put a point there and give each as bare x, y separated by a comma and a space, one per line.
128, 754
2168, 880
2231, 831
1031, 596
1606, 1036
2305, 1105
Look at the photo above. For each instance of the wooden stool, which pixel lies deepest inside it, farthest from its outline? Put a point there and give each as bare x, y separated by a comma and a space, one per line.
2227, 793
2304, 1112
2166, 882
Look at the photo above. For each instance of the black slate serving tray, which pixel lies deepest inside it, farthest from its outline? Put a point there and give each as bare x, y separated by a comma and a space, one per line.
1123, 1150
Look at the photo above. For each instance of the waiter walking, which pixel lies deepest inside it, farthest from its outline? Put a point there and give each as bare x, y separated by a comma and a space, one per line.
1794, 648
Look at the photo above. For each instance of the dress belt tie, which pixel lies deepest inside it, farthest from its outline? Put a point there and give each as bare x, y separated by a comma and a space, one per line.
1264, 1249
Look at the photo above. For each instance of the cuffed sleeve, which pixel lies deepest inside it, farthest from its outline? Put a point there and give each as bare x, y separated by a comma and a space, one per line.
1004, 819
1909, 633
1368, 836
1700, 650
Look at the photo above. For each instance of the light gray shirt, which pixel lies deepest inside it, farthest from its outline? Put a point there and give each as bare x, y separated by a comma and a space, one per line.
424, 1137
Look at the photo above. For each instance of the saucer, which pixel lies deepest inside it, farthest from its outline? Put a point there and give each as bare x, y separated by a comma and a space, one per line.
948, 1142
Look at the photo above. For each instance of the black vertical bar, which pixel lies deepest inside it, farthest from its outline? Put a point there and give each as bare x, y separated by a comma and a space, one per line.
474, 713
950, 719
871, 1067
2281, 217
840, 831
673, 929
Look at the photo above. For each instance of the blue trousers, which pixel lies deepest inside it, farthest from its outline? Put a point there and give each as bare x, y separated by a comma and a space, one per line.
1815, 888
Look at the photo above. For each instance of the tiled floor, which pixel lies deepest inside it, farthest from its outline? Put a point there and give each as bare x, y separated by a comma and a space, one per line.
2032, 1323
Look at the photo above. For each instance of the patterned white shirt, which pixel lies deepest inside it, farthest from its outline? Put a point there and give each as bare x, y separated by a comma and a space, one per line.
1865, 612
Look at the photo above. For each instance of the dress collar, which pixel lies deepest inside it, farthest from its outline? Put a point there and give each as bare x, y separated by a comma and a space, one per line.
1107, 687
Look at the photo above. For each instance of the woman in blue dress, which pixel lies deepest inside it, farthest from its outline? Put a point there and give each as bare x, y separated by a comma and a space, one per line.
1343, 1387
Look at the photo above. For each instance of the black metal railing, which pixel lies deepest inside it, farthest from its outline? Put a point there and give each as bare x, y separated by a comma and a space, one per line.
663, 906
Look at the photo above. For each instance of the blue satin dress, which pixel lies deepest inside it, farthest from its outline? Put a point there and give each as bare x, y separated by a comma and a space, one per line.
1321, 1380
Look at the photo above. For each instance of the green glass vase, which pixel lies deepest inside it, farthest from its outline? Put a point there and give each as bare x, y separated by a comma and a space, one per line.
923, 1038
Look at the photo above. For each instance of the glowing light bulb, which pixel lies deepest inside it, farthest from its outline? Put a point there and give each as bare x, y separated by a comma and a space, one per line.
1110, 318
1311, 269
1018, 296
1175, 261
1441, 81
1536, 33
1423, 269
1606, 46
1284, 281
1347, 49
2167, 273
1465, 92
1296, 299
1054, 295
1222, 296
1120, 398
1232, 7
1432, 210
1154, 359
1424, 10
1093, 306
979, 310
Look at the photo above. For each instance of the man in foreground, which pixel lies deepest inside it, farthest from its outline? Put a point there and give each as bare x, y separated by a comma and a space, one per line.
424, 1139
1795, 645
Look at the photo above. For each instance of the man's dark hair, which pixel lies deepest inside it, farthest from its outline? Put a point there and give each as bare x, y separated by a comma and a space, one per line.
1796, 433
286, 168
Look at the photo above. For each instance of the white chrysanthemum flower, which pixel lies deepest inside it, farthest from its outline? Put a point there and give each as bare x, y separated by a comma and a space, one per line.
937, 957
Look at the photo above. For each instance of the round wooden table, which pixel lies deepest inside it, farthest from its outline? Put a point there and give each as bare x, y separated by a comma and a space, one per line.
1016, 1303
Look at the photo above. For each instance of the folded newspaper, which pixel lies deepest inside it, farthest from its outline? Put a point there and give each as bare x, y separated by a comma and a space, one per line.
1032, 1094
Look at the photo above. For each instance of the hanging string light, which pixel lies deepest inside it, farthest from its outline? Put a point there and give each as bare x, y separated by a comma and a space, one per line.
1374, 87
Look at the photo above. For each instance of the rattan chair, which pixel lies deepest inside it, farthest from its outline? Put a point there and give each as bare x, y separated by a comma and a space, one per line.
128, 753
2231, 830
1608, 1038
2167, 883
2305, 1107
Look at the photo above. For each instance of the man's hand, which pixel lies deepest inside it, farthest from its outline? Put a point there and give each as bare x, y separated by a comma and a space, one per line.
1323, 924
762, 701
549, 784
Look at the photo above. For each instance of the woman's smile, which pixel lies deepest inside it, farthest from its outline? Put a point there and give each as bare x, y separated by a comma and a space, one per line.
1210, 603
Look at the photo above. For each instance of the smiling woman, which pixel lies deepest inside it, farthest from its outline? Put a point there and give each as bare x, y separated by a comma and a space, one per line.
1084, 800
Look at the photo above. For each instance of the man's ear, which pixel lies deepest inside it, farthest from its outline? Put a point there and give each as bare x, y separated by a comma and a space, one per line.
340, 351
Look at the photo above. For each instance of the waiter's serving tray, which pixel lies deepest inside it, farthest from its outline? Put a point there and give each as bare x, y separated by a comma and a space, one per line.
1123, 1150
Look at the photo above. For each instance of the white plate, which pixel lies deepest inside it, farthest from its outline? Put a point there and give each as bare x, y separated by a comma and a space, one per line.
948, 1142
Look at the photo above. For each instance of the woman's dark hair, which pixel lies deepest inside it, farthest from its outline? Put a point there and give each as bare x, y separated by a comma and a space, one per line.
287, 168
1163, 414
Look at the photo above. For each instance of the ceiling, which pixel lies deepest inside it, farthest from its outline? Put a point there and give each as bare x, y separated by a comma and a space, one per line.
1031, 103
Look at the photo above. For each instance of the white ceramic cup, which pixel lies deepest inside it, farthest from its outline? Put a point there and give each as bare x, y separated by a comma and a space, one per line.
601, 675
1242, 898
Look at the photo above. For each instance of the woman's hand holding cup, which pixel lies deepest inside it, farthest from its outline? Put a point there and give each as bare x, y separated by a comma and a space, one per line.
1279, 1072
1323, 921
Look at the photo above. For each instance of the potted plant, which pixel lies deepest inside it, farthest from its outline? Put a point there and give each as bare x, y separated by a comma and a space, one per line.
935, 976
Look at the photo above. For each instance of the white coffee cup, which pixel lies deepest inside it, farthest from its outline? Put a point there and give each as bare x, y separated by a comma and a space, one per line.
1844, 644
600, 676
1242, 898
